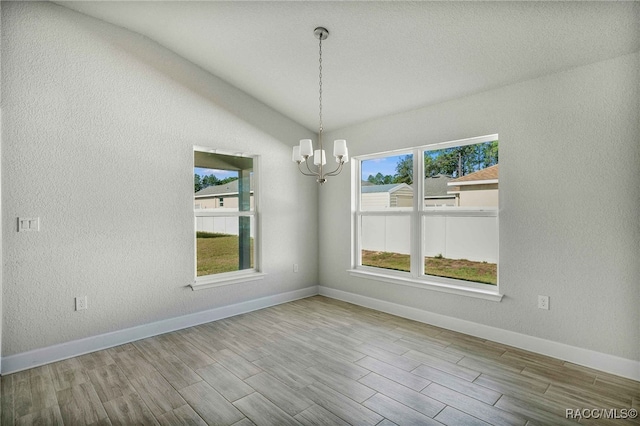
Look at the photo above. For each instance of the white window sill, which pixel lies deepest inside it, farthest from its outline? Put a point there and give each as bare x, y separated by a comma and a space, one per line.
428, 285
220, 280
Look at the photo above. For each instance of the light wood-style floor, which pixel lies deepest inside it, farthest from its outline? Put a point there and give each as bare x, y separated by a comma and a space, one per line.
315, 361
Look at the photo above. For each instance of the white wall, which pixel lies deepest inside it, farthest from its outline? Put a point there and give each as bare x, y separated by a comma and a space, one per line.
98, 131
563, 137
1, 221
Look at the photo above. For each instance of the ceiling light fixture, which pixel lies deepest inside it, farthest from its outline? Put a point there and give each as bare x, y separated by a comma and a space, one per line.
302, 152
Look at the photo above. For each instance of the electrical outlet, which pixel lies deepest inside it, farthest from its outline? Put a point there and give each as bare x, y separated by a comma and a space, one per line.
81, 303
28, 224
543, 302
295, 267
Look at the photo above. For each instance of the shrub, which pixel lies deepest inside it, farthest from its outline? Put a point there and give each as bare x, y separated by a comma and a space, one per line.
202, 234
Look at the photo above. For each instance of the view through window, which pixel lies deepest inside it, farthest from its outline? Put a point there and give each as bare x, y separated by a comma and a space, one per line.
224, 210
450, 231
386, 202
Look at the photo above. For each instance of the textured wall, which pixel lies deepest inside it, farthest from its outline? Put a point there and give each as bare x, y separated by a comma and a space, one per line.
98, 131
563, 139
1, 221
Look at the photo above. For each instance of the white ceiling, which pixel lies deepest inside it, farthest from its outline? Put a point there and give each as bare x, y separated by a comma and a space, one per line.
381, 57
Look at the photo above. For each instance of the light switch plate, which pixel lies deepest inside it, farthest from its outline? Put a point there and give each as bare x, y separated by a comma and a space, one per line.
28, 224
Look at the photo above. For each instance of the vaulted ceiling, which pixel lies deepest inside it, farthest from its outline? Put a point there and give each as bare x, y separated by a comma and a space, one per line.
381, 58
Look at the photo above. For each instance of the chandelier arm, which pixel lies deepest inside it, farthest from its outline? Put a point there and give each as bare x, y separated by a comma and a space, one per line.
337, 171
306, 162
306, 174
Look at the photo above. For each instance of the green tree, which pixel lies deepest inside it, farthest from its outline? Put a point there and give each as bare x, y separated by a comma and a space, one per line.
404, 170
197, 182
380, 179
443, 161
432, 166
226, 180
210, 180
490, 153
462, 160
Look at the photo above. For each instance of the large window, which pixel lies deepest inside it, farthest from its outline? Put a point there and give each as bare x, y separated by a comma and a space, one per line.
225, 215
429, 215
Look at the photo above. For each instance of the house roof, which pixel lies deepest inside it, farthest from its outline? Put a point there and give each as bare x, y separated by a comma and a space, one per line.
490, 173
392, 187
436, 186
230, 188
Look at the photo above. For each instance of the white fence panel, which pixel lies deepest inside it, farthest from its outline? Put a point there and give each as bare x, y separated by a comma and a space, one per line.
472, 238
434, 240
462, 237
221, 225
386, 233
454, 237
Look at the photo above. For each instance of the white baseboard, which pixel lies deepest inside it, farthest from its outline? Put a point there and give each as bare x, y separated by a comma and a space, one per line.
38, 357
586, 357
597, 360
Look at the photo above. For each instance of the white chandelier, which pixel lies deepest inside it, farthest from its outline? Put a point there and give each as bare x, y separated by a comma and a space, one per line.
302, 152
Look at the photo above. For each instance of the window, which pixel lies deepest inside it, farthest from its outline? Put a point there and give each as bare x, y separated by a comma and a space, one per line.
225, 216
440, 229
386, 206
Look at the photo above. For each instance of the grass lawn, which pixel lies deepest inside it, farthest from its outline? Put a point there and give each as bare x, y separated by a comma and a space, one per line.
460, 269
217, 253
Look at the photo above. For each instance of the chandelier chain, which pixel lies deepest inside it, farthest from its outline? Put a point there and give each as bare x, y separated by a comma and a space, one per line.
320, 84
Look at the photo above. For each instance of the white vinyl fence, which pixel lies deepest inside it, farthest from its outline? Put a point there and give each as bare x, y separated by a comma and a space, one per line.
454, 237
221, 225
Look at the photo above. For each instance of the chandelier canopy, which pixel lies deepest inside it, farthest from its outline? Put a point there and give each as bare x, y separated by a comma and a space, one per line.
302, 152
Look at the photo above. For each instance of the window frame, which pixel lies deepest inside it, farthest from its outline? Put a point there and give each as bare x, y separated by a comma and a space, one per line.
416, 277
233, 277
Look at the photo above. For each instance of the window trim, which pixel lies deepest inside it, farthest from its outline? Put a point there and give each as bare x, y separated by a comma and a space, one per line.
226, 278
391, 277
416, 278
245, 275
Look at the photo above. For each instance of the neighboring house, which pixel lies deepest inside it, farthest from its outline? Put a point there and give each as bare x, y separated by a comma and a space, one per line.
385, 196
477, 189
219, 196
436, 191
401, 195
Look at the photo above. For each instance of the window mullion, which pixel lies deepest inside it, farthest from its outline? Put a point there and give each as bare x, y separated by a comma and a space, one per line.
357, 260
420, 210
356, 254
416, 233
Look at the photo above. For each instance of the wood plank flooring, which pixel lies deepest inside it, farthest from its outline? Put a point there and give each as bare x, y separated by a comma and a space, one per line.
315, 361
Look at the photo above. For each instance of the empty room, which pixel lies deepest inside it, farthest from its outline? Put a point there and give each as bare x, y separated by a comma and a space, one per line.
320, 213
